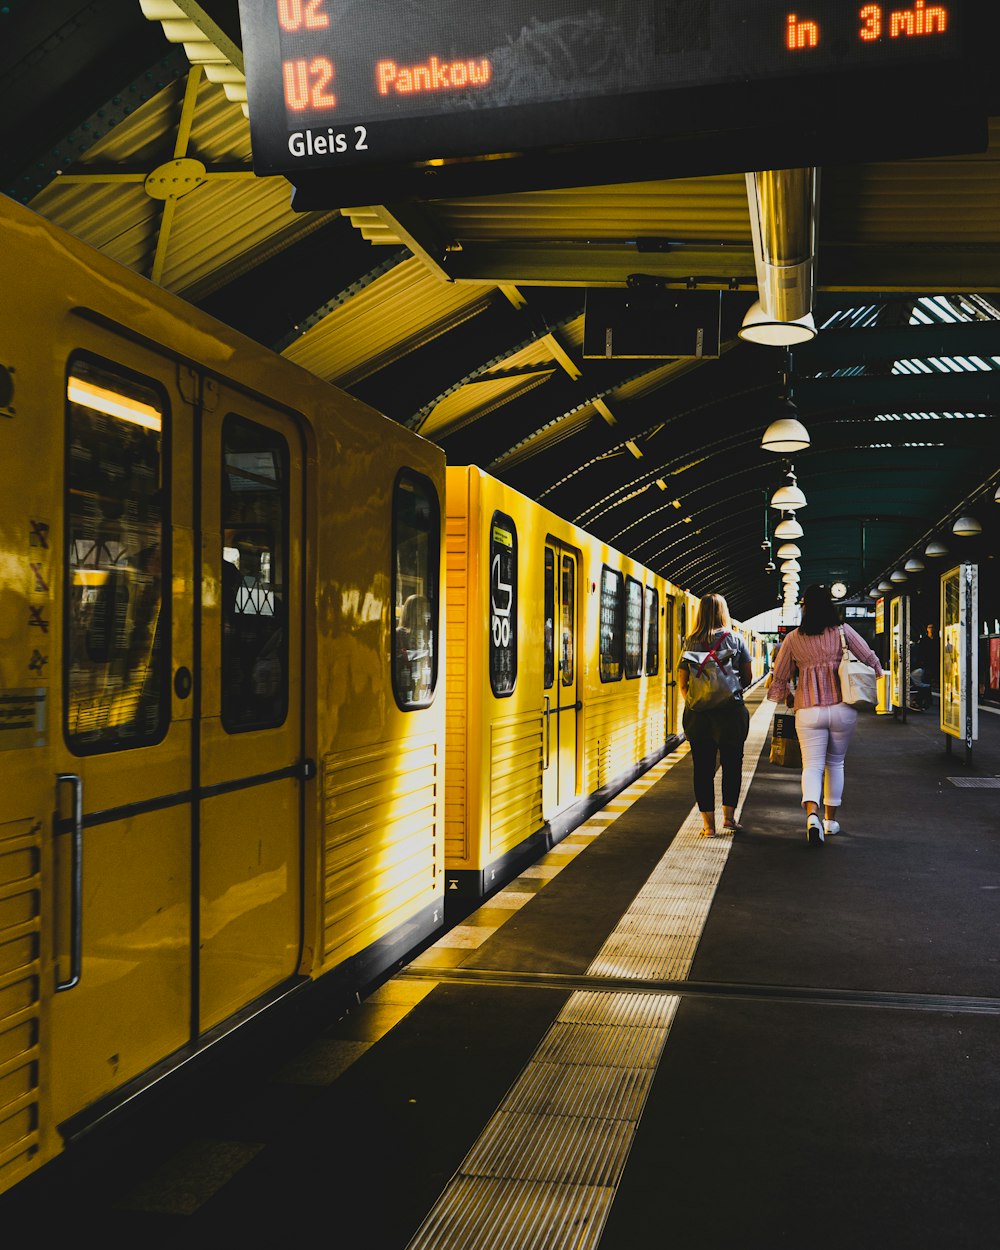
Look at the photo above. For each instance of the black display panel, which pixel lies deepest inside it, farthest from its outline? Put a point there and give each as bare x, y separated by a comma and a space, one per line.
341, 84
655, 324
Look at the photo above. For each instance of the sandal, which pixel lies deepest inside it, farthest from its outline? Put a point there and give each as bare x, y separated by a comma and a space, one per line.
735, 827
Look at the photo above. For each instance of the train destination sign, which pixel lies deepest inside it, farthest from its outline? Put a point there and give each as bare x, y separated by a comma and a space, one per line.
340, 84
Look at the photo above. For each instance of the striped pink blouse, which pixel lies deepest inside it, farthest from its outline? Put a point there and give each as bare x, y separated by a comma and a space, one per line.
815, 657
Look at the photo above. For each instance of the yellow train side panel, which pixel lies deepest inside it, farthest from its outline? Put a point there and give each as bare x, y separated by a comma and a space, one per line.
20, 973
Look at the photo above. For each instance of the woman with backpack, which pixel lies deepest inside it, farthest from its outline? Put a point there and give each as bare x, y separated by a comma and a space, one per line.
714, 669
824, 724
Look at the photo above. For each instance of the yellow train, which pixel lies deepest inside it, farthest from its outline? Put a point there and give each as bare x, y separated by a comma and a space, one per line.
276, 682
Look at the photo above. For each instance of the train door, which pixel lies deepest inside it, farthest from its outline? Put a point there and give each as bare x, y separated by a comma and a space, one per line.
561, 679
121, 728
250, 821
670, 652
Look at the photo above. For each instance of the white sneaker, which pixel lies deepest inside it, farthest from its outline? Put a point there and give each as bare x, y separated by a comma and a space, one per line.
831, 827
814, 831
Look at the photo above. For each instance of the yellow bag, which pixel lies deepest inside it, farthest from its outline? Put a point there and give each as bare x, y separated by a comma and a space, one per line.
784, 742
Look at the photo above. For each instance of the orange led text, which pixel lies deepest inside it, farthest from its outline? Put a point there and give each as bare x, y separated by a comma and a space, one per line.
876, 22
435, 75
296, 15
306, 84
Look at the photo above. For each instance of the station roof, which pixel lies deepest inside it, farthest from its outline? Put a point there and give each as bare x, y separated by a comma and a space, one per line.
462, 317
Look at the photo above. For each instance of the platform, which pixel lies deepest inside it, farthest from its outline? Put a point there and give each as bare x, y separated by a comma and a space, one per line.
649, 1038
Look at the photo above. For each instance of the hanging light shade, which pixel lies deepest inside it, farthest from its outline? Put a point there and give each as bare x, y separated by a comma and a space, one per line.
770, 566
964, 527
914, 565
884, 586
897, 575
760, 327
788, 551
789, 577
791, 566
788, 528
935, 548
788, 497
996, 497
786, 433
874, 594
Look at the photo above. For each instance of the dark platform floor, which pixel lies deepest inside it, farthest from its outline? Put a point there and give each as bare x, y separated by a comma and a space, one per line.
828, 1074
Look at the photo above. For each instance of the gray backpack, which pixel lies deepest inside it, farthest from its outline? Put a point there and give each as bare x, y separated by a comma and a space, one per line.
712, 680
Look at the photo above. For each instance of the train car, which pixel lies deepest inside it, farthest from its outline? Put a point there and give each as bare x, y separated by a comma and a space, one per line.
560, 677
221, 673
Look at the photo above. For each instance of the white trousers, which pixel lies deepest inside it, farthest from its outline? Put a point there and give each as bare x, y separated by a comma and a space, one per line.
824, 734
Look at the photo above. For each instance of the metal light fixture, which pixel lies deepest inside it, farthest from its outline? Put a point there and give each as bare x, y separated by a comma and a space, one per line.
897, 575
760, 327
770, 566
996, 497
788, 551
875, 593
791, 566
788, 498
935, 548
885, 586
964, 527
786, 434
788, 527
914, 565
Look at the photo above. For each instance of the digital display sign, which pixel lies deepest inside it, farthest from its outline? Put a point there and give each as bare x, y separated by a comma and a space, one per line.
340, 84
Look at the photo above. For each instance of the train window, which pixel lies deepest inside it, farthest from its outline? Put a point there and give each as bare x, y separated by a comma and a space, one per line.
549, 595
633, 627
117, 654
612, 624
652, 631
416, 521
503, 604
567, 604
254, 576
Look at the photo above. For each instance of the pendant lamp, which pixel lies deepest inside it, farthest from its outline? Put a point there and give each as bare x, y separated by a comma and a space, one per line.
760, 327
914, 565
788, 528
935, 548
964, 527
788, 551
788, 497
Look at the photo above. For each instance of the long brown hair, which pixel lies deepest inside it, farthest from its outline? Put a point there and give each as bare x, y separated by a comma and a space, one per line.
712, 613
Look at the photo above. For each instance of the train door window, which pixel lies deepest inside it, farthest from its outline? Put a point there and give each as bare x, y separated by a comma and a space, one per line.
503, 604
567, 602
117, 660
549, 596
652, 664
416, 527
612, 624
633, 627
254, 576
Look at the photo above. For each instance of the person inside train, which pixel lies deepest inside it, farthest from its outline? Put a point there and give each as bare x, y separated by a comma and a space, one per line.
824, 725
716, 734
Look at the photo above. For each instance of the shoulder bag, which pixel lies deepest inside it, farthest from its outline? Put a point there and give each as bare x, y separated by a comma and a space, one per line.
858, 683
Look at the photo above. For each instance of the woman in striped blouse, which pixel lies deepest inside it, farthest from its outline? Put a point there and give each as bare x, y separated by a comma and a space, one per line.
823, 724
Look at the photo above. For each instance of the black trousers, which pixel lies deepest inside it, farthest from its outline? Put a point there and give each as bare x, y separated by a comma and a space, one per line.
716, 735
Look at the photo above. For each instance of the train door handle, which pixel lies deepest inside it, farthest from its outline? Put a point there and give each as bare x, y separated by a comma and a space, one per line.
548, 721
76, 884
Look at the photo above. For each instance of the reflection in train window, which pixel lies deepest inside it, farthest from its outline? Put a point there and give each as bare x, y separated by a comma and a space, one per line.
503, 604
416, 527
652, 631
254, 576
117, 659
612, 624
633, 627
567, 626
